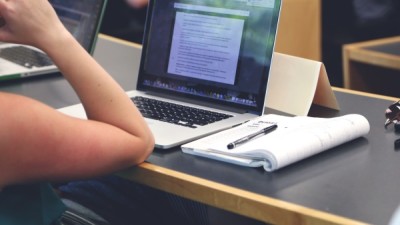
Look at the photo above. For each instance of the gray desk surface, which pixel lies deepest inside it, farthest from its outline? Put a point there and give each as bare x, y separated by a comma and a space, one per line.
359, 180
390, 48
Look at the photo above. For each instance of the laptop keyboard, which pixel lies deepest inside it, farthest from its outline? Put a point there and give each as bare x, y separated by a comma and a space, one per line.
25, 57
177, 114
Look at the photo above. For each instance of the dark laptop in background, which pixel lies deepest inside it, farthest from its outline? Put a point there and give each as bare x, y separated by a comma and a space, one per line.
81, 17
204, 67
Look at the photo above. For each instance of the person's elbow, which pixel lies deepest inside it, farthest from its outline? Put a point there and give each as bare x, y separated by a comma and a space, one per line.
147, 144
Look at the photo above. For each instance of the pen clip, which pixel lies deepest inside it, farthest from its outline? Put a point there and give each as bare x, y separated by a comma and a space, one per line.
236, 125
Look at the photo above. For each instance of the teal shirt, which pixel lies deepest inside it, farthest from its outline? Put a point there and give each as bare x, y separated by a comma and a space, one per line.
34, 204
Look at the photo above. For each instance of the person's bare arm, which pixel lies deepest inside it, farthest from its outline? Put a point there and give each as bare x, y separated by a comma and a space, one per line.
39, 143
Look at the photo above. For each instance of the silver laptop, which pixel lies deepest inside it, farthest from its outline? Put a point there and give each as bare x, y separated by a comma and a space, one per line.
81, 17
205, 63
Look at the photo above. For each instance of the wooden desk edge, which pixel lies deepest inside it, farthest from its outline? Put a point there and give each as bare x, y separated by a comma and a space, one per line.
120, 41
375, 42
371, 95
371, 57
358, 52
239, 201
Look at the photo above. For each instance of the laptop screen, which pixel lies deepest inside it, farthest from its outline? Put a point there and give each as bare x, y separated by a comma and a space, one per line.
81, 18
214, 50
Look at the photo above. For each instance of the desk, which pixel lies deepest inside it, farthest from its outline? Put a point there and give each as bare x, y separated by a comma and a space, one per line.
373, 66
356, 183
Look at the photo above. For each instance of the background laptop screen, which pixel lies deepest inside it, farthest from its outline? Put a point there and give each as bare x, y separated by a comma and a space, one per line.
216, 50
81, 18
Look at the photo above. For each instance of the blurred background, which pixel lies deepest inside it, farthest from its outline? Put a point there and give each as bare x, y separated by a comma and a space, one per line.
313, 29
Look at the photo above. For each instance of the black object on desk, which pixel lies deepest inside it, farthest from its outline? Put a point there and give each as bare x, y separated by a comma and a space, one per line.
392, 114
252, 136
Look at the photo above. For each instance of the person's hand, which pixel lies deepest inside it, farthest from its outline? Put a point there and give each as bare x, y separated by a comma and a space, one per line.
137, 3
32, 22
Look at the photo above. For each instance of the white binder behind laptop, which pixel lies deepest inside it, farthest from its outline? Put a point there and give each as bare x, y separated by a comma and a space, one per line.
81, 17
207, 55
